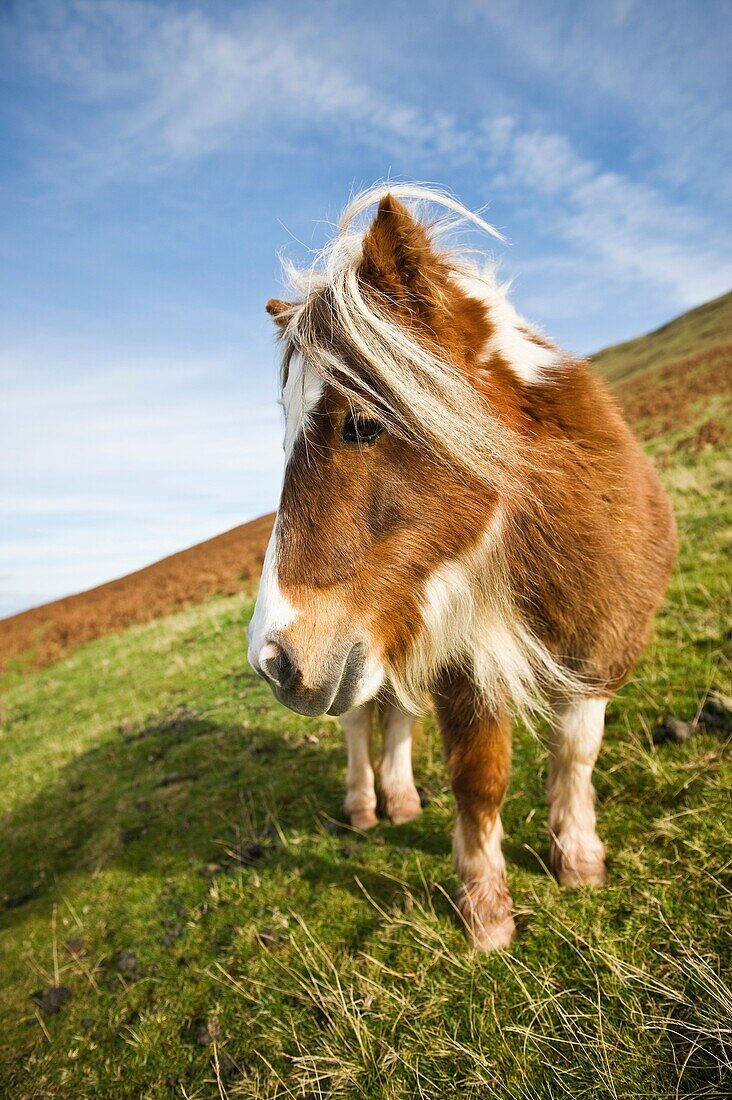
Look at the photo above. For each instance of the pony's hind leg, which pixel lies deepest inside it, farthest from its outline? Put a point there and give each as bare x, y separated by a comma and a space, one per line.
360, 803
399, 796
478, 748
577, 853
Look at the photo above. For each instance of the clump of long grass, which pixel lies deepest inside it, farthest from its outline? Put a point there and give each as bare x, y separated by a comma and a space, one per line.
368, 1026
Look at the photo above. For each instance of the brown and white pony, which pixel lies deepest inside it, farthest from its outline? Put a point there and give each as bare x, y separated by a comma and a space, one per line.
464, 516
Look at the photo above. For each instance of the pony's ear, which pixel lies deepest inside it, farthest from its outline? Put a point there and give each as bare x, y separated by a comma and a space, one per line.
398, 258
279, 311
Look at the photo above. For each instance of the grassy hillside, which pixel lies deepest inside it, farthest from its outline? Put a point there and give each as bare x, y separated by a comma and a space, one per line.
172, 857
700, 329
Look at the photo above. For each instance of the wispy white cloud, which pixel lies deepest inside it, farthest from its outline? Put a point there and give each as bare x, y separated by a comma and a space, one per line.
638, 234
657, 70
167, 85
162, 85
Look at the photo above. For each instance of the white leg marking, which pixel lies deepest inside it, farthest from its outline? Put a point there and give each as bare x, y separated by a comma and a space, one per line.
401, 800
483, 899
578, 854
360, 804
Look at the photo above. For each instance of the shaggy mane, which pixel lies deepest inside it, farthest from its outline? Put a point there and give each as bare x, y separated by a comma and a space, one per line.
355, 344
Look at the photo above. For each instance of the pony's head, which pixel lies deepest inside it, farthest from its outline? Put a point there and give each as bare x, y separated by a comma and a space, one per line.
401, 448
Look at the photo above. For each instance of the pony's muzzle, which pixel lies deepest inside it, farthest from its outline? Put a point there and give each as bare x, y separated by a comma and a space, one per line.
335, 690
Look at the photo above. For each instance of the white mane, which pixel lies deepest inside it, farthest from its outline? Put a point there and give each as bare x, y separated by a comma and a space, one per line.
415, 391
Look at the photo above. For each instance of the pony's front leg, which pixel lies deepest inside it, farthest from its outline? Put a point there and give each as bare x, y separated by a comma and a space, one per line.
399, 796
360, 803
577, 854
478, 747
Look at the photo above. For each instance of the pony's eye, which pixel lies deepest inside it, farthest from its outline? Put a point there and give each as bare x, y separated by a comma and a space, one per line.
359, 428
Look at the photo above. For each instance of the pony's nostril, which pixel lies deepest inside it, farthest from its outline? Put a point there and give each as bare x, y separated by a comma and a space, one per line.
276, 664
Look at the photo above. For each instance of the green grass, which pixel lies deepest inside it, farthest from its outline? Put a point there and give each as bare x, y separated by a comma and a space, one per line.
329, 963
706, 327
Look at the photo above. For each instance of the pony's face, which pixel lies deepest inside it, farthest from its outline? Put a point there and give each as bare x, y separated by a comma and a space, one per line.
364, 521
367, 514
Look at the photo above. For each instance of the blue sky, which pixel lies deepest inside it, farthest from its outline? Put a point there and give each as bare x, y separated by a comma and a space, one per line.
156, 156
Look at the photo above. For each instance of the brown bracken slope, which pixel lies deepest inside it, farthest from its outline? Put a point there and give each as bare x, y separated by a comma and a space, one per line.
663, 397
224, 565
677, 395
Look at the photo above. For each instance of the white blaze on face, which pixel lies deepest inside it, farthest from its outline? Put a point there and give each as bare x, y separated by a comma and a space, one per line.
273, 612
300, 395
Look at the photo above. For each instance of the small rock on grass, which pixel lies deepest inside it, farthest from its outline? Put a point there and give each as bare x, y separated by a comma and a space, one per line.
673, 729
76, 946
715, 716
126, 962
52, 998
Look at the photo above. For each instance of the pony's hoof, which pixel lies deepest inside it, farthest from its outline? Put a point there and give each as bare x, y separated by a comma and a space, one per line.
585, 874
492, 937
364, 819
485, 910
402, 805
578, 863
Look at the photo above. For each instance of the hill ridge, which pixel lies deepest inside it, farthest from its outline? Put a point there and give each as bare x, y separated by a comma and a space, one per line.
699, 329
659, 379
